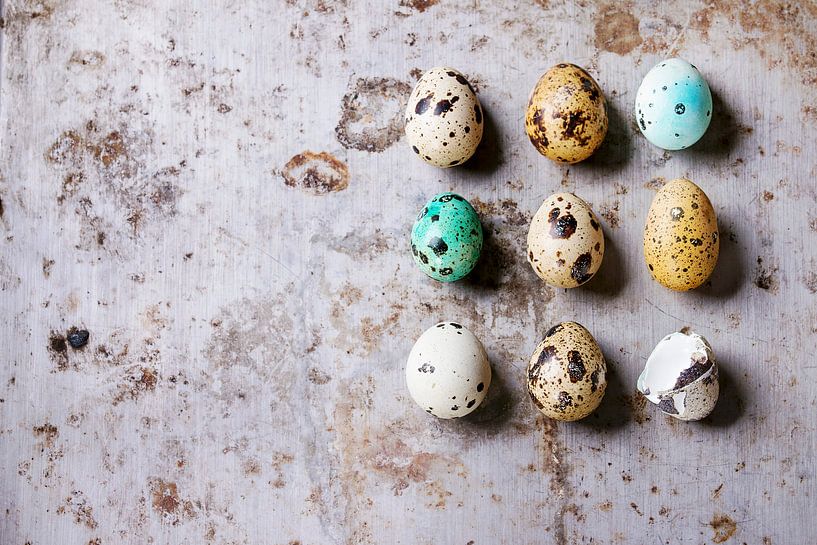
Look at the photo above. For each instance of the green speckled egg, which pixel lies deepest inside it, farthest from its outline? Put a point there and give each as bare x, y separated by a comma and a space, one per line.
446, 238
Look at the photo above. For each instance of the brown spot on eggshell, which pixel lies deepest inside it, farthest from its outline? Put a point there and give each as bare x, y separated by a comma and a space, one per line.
372, 114
616, 29
316, 173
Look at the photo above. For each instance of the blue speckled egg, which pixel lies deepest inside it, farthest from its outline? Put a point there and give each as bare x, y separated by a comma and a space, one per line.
673, 106
446, 238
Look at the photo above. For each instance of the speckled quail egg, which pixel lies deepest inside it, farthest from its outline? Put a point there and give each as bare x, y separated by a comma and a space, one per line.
444, 118
446, 239
565, 241
681, 240
448, 373
566, 119
681, 376
567, 374
673, 106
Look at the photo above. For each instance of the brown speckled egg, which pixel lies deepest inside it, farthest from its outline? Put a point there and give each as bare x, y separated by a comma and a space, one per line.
444, 118
567, 115
567, 374
681, 240
565, 241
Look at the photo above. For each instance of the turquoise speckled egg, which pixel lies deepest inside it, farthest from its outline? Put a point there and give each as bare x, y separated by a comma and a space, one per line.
673, 106
446, 238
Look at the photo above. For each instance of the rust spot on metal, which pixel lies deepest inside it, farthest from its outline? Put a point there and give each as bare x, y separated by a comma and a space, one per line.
316, 173
616, 30
723, 527
372, 114
418, 5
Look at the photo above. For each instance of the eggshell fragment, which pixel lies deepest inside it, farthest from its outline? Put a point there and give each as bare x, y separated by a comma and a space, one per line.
681, 239
565, 241
681, 376
448, 373
566, 119
567, 374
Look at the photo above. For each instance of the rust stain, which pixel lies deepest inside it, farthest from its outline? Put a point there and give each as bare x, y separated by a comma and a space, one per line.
637, 404
48, 432
766, 277
88, 59
723, 527
77, 505
610, 214
372, 114
767, 26
316, 173
418, 5
278, 461
166, 501
58, 349
616, 30
136, 383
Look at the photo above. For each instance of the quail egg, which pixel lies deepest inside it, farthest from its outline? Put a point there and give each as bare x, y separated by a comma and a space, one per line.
567, 374
681, 376
444, 118
448, 373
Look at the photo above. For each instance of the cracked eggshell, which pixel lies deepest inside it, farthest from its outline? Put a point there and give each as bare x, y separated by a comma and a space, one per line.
448, 373
673, 106
681, 239
567, 374
444, 118
681, 376
446, 239
565, 241
566, 119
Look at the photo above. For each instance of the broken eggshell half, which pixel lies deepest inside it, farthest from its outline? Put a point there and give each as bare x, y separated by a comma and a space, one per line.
681, 376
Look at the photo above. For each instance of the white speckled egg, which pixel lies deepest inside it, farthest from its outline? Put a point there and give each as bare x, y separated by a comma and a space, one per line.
681, 376
444, 118
673, 106
448, 373
565, 241
567, 374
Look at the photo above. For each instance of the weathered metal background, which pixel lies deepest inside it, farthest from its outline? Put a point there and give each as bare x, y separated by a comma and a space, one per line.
219, 193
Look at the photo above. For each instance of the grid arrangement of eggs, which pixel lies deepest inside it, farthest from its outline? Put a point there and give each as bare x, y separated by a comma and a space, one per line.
448, 373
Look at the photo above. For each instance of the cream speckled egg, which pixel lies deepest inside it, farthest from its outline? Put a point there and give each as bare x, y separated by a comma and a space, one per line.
681, 240
444, 118
448, 373
565, 241
567, 374
566, 119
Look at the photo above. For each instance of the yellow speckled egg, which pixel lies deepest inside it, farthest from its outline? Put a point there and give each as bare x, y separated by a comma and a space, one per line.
681, 240
565, 241
567, 374
567, 114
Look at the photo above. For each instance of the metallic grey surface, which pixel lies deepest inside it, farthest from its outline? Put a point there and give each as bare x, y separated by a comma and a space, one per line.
251, 305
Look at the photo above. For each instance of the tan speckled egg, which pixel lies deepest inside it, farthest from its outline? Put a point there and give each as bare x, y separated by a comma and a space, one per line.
567, 114
444, 118
681, 240
567, 374
565, 241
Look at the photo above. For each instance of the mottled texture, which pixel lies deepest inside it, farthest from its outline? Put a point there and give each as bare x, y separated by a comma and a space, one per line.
692, 393
565, 241
446, 239
566, 118
673, 106
567, 374
681, 238
243, 380
447, 372
444, 120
